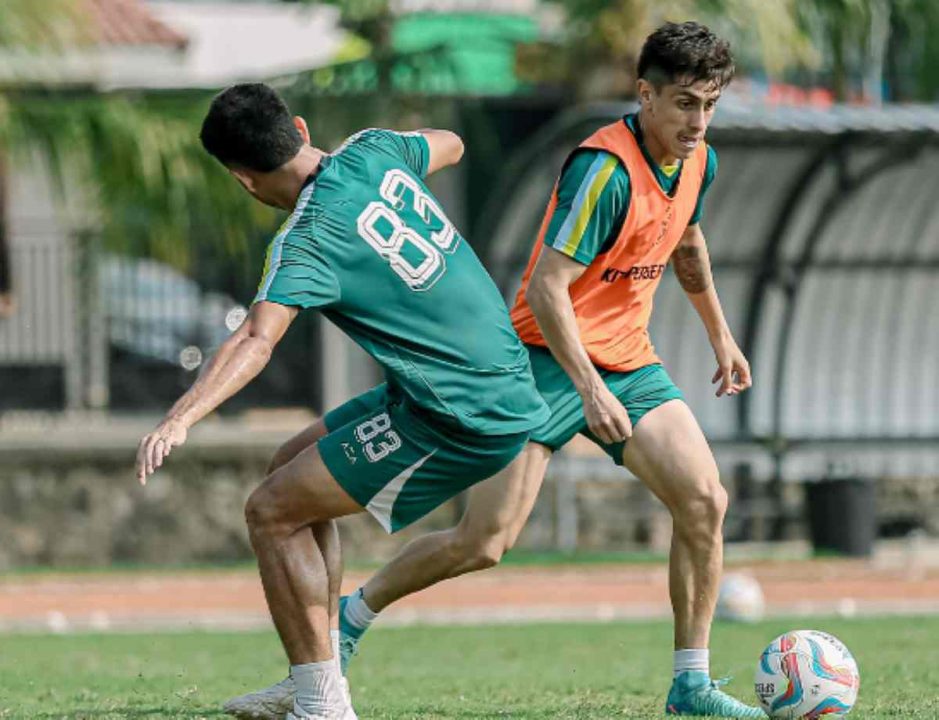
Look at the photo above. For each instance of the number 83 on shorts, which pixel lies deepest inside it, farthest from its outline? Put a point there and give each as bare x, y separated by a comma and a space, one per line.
399, 464
377, 438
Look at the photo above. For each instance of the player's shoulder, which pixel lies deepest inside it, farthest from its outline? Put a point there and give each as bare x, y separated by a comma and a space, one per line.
586, 163
711, 158
374, 138
710, 164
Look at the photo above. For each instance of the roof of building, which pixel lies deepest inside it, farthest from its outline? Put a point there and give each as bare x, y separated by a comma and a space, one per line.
129, 23
831, 120
247, 41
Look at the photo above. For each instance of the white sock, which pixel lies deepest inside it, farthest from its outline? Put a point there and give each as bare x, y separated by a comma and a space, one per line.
358, 614
317, 684
692, 659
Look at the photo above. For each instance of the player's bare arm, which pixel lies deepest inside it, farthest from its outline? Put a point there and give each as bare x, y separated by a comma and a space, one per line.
548, 294
446, 148
693, 267
238, 361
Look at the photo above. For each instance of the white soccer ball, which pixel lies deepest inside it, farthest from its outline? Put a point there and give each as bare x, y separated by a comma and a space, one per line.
740, 599
807, 674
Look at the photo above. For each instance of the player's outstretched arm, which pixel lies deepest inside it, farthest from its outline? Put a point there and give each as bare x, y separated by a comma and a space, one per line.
446, 148
693, 267
549, 296
238, 361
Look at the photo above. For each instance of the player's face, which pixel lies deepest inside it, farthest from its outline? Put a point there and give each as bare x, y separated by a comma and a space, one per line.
678, 115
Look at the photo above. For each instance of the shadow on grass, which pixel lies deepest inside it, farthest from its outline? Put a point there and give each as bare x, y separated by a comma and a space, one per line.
475, 713
129, 712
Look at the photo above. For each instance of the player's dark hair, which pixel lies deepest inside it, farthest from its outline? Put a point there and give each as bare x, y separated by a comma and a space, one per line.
250, 126
685, 53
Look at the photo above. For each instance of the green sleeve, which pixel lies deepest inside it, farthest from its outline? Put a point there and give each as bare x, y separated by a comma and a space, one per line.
297, 274
593, 197
710, 172
411, 147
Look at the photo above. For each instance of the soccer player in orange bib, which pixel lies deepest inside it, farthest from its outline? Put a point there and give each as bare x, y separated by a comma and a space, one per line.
628, 201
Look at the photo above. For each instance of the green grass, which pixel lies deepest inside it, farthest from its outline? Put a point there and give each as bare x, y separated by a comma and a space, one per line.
535, 672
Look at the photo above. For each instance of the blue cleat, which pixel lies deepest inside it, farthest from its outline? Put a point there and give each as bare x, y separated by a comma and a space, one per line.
694, 693
349, 637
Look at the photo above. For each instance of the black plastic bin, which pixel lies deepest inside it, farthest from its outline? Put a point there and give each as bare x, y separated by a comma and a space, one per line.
842, 515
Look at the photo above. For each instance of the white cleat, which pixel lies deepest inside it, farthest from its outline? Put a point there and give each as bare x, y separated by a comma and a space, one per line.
272, 703
346, 713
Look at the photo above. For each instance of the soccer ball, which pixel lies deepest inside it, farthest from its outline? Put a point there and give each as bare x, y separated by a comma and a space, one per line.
740, 599
805, 675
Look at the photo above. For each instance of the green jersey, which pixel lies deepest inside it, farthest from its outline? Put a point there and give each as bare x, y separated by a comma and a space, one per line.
369, 245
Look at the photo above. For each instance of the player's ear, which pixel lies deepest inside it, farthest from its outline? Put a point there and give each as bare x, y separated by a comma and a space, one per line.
646, 92
300, 124
244, 177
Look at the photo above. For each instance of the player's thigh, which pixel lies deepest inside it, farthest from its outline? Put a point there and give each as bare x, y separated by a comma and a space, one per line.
669, 453
501, 505
297, 444
334, 419
640, 391
297, 494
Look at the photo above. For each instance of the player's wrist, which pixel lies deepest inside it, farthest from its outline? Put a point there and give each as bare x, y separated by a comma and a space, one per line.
177, 421
590, 387
720, 337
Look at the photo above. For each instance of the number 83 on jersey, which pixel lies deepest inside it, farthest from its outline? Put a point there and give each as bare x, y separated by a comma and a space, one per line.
417, 260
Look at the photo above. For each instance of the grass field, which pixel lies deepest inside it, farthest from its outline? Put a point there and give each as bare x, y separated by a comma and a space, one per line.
596, 671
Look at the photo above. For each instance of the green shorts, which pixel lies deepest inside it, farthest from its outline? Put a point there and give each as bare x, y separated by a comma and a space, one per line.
399, 463
639, 390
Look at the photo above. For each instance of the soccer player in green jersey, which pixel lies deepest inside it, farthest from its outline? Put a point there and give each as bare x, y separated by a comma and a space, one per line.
628, 202
368, 245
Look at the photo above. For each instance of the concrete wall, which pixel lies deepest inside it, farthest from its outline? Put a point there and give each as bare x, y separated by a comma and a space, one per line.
68, 497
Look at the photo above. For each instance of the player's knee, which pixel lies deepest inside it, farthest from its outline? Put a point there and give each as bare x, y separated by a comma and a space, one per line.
489, 554
480, 553
700, 514
261, 515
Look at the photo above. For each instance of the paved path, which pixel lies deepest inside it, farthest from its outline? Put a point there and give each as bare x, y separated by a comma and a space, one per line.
234, 600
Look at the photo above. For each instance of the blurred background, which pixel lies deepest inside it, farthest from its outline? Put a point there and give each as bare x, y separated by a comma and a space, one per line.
127, 256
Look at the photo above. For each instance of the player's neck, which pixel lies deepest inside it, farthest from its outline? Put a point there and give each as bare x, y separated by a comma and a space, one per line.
657, 151
294, 175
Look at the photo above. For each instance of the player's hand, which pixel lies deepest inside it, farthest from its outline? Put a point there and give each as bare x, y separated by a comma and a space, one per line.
733, 370
605, 415
155, 446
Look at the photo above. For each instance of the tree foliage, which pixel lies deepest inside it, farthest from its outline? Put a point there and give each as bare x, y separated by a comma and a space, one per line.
134, 157
47, 24
847, 45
